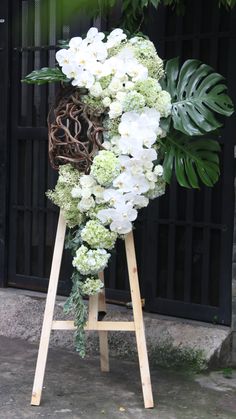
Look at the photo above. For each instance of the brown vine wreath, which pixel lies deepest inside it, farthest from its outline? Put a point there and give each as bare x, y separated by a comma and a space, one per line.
75, 133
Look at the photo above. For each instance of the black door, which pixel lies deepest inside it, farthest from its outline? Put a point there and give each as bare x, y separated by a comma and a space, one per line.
183, 240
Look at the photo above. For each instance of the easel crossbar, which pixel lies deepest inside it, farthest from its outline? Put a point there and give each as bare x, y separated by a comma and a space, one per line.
103, 325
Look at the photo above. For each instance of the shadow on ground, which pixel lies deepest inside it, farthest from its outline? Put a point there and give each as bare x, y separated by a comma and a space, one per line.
75, 388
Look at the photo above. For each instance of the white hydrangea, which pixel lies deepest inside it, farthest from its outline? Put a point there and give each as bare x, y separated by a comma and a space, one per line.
92, 286
90, 261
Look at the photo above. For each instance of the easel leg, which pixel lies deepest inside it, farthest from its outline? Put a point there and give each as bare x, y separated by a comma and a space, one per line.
103, 335
48, 314
138, 321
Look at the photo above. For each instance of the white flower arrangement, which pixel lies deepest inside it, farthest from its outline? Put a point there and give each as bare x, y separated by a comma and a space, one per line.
126, 174
142, 109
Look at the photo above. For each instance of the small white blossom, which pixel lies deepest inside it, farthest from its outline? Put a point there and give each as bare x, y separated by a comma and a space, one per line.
106, 101
158, 170
96, 90
115, 109
87, 181
86, 204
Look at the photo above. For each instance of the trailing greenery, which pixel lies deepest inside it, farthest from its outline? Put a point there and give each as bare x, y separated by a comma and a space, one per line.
75, 305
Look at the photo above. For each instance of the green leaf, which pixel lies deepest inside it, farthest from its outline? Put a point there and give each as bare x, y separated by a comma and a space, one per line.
192, 160
45, 75
198, 93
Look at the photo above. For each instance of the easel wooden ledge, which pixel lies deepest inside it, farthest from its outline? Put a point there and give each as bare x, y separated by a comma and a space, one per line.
96, 303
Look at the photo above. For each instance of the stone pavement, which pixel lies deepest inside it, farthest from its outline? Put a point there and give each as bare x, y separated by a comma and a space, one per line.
171, 341
75, 388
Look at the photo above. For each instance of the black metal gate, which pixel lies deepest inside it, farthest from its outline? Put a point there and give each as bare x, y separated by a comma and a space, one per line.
184, 240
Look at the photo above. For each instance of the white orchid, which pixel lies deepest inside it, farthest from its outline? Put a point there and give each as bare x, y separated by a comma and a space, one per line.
138, 201
113, 65
84, 79
72, 71
98, 51
136, 71
114, 197
99, 70
75, 44
115, 38
130, 145
64, 56
146, 155
119, 218
94, 35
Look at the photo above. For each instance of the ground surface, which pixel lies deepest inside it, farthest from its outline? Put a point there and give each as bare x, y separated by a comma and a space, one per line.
75, 388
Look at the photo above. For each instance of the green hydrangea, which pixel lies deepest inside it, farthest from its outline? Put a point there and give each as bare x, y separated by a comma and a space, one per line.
68, 174
92, 213
94, 102
110, 127
105, 167
105, 81
90, 261
91, 286
163, 103
149, 88
115, 50
145, 52
133, 101
61, 195
98, 236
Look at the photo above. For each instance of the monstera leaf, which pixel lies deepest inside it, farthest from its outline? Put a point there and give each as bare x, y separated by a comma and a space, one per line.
45, 75
192, 160
198, 93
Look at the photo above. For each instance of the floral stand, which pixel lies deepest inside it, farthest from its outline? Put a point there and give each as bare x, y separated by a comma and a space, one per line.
96, 304
123, 126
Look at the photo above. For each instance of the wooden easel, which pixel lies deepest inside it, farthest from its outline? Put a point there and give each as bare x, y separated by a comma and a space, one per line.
96, 303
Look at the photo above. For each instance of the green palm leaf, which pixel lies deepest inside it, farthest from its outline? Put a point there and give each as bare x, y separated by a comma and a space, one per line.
45, 75
197, 94
192, 160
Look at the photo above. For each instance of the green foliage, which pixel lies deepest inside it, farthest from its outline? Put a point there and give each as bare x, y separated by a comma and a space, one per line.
191, 159
229, 4
133, 11
197, 93
183, 359
45, 75
227, 372
75, 305
73, 239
